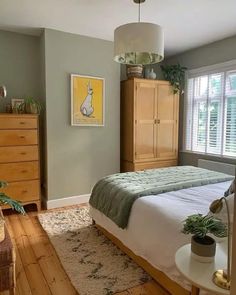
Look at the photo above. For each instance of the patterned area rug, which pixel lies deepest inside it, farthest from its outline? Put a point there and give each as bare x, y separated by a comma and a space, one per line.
93, 263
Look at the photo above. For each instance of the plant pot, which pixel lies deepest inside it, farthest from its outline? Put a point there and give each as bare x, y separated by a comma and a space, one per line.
2, 229
31, 108
203, 249
134, 71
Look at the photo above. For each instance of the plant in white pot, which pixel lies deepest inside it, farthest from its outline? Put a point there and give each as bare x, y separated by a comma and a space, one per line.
5, 200
203, 246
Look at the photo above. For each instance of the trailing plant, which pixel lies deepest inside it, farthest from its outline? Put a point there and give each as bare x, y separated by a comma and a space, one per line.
200, 225
5, 200
30, 104
175, 75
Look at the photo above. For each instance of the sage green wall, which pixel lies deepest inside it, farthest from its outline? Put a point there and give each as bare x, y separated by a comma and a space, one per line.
79, 156
217, 52
19, 66
43, 131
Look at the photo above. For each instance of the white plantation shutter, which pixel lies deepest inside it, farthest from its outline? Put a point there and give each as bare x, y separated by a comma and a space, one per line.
188, 107
210, 113
230, 115
215, 113
200, 98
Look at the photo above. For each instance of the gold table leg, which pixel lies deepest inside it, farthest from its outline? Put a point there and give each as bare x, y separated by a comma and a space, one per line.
195, 291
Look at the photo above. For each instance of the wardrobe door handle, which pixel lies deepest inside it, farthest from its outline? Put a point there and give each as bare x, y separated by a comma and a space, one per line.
158, 121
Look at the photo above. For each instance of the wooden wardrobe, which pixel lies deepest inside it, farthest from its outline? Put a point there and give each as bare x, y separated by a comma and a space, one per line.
149, 124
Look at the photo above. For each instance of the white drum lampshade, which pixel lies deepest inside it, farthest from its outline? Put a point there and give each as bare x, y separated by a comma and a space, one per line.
139, 44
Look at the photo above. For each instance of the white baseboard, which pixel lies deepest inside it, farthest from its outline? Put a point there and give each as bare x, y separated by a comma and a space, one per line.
75, 200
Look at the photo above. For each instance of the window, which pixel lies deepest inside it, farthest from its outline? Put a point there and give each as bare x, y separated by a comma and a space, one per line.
210, 112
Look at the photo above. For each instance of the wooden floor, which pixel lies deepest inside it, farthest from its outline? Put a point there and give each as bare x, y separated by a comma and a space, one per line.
38, 269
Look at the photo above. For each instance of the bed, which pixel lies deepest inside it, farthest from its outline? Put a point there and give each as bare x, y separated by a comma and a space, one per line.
153, 233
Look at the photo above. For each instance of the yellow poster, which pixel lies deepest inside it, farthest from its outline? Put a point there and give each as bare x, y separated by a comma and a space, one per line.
87, 101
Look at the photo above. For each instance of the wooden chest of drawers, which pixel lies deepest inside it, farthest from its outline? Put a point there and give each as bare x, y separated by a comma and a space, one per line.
19, 157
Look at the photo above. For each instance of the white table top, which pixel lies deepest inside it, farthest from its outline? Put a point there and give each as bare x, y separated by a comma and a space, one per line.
198, 273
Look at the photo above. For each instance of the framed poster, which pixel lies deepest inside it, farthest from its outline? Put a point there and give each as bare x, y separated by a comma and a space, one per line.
87, 100
16, 104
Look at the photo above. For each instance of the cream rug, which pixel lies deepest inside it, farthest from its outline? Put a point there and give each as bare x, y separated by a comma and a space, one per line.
93, 263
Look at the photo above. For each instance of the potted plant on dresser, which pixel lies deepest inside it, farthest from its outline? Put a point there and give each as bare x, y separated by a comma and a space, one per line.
6, 200
203, 246
31, 106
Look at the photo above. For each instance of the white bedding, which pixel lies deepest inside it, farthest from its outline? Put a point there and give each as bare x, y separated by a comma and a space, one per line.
155, 224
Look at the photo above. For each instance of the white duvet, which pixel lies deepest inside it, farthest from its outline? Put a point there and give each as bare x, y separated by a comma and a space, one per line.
155, 224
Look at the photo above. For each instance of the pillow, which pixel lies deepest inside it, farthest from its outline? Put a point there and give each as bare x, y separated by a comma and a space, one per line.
231, 189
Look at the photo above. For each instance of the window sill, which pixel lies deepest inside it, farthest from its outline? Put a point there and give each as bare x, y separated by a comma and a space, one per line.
207, 154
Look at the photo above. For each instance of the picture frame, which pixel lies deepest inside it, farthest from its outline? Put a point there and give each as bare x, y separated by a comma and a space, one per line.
3, 91
15, 103
87, 100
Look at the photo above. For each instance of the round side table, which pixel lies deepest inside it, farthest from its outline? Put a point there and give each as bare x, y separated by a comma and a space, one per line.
200, 274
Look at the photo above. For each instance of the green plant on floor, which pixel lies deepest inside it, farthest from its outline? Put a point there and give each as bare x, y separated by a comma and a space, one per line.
175, 74
200, 225
31, 106
5, 200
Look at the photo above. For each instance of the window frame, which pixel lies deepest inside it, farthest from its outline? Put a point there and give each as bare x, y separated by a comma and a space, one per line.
194, 73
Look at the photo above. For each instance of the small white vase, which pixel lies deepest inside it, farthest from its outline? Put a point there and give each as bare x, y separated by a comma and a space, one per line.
152, 75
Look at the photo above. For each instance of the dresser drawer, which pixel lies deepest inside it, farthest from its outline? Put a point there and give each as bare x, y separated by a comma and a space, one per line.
18, 153
18, 122
19, 171
18, 137
24, 191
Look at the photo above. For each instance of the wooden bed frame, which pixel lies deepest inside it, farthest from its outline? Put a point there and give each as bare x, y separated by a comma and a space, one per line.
157, 275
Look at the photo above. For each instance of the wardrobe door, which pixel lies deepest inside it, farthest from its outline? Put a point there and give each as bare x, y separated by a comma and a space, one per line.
145, 115
167, 122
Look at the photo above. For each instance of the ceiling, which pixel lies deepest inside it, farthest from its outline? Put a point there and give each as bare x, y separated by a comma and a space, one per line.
187, 23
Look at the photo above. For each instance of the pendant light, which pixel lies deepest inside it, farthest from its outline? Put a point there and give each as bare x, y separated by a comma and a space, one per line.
139, 43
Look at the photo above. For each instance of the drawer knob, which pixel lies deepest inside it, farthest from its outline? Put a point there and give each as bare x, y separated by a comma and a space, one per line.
22, 123
23, 171
24, 191
22, 136
23, 153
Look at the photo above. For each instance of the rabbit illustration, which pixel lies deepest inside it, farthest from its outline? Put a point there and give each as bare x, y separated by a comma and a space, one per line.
86, 107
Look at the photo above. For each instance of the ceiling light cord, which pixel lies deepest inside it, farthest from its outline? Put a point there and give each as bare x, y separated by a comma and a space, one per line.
139, 10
